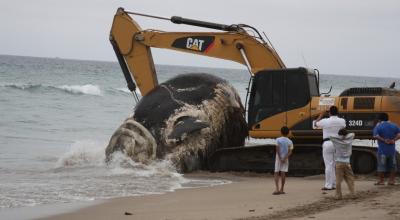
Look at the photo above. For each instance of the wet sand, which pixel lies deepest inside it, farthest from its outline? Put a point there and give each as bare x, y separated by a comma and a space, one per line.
249, 196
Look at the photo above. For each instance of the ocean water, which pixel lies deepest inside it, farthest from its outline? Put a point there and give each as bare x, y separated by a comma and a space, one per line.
56, 118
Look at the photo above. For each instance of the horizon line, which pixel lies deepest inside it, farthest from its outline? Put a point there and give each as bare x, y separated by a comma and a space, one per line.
205, 67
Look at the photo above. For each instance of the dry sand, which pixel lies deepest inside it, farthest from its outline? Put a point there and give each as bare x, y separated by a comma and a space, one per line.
249, 196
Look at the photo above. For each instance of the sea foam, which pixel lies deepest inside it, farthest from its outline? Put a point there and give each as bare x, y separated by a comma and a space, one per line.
89, 153
27, 86
88, 89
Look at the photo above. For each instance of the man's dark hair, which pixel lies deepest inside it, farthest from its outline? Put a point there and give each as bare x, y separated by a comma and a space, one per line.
284, 130
333, 110
383, 117
343, 132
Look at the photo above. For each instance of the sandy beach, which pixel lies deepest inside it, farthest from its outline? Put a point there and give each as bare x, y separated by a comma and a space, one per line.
249, 196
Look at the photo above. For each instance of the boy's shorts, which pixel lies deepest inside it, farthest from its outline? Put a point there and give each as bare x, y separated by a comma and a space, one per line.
281, 167
387, 163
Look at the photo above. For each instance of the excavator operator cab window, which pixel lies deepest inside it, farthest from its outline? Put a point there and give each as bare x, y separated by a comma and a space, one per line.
277, 91
267, 97
296, 90
313, 83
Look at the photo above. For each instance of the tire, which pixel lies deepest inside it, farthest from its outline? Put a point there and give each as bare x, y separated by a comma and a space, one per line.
364, 163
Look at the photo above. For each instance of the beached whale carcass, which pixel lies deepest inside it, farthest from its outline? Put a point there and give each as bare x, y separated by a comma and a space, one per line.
184, 119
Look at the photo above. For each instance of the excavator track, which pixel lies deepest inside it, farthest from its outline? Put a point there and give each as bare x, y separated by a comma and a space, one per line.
306, 159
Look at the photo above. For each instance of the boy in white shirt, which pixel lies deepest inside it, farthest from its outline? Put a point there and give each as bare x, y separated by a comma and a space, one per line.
284, 147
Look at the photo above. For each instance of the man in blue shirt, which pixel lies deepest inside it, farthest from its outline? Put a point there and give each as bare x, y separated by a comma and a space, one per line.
387, 133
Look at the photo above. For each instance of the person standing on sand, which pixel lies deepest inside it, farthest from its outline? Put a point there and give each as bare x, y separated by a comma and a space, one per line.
343, 150
330, 128
284, 147
387, 133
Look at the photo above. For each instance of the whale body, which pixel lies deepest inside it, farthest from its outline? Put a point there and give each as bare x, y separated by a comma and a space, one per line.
185, 119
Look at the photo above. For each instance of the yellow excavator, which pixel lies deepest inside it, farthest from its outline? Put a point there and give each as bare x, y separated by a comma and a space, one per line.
277, 95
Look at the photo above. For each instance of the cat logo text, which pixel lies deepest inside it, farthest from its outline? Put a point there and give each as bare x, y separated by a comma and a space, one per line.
195, 43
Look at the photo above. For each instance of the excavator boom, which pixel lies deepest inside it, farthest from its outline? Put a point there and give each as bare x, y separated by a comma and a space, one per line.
132, 46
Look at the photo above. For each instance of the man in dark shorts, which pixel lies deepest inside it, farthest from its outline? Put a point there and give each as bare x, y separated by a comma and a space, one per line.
387, 133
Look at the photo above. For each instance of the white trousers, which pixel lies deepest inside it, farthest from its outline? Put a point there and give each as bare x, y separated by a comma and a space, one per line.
328, 153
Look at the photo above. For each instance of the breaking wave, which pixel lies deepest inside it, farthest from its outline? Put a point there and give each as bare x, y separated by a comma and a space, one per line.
92, 154
87, 89
28, 86
83, 153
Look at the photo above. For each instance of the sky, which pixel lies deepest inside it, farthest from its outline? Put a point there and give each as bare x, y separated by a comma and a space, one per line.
352, 37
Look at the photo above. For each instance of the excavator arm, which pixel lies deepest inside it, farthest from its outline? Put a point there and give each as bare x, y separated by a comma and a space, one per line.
132, 46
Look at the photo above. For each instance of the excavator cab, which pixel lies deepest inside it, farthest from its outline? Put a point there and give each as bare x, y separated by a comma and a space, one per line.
282, 97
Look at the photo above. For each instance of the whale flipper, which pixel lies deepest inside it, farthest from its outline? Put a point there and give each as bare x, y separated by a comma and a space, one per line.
186, 125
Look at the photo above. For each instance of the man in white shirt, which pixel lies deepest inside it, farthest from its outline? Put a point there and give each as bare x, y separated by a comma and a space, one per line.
330, 128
